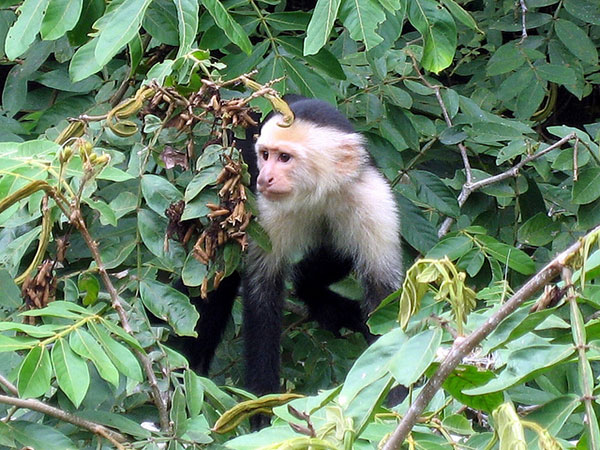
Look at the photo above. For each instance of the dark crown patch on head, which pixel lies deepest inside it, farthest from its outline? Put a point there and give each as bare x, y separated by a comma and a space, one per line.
319, 112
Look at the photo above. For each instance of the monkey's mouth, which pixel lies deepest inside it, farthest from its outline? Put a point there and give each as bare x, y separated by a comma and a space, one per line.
274, 195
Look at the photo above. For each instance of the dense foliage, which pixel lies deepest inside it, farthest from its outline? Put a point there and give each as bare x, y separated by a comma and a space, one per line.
482, 114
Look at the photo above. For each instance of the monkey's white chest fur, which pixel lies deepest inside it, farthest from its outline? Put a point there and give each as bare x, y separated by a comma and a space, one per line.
360, 220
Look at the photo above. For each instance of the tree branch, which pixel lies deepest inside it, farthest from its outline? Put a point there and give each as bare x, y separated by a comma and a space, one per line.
463, 348
159, 399
469, 188
35, 405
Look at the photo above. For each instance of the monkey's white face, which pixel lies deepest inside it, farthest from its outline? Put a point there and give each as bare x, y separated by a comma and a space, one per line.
306, 161
276, 168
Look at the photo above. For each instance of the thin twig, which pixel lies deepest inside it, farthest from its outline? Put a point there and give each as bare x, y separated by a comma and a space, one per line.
585, 371
159, 399
469, 188
11, 387
523, 21
438, 96
114, 437
463, 348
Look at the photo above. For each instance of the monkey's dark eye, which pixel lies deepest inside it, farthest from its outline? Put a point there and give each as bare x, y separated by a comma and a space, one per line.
285, 157
265, 155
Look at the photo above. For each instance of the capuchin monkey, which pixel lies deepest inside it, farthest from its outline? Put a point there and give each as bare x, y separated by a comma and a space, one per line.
327, 211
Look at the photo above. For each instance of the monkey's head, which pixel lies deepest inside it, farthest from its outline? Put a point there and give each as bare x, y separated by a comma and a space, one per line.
319, 153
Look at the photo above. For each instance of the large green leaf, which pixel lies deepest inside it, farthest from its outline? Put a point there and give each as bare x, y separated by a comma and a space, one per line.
432, 191
120, 355
83, 64
522, 364
35, 373
361, 18
123, 25
84, 344
72, 372
320, 25
227, 23
576, 40
539, 230
438, 30
587, 187
159, 193
170, 305
420, 350
311, 84
187, 18
24, 30
152, 231
584, 10
61, 16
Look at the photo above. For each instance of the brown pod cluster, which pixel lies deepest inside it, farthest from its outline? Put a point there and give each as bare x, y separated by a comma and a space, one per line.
228, 220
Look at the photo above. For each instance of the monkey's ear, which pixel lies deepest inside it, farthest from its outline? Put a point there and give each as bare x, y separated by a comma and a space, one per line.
350, 155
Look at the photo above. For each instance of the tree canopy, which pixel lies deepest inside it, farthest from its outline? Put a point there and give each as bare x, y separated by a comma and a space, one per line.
119, 174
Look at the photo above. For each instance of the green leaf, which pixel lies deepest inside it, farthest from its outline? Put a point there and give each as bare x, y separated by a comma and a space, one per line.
120, 332
14, 251
162, 20
438, 31
83, 64
321, 23
89, 284
259, 235
204, 178
556, 73
35, 373
288, 20
119, 28
84, 344
61, 16
225, 22
361, 18
432, 191
414, 227
152, 231
324, 60
587, 187
584, 10
194, 392
159, 193
171, 306
452, 247
38, 331
107, 215
461, 14
72, 373
524, 363
506, 254
577, 41
187, 19
311, 84
66, 310
539, 230
506, 58
530, 99
177, 413
39, 436
23, 32
372, 365
120, 355
420, 350
470, 377
117, 421
193, 271
12, 344
11, 294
